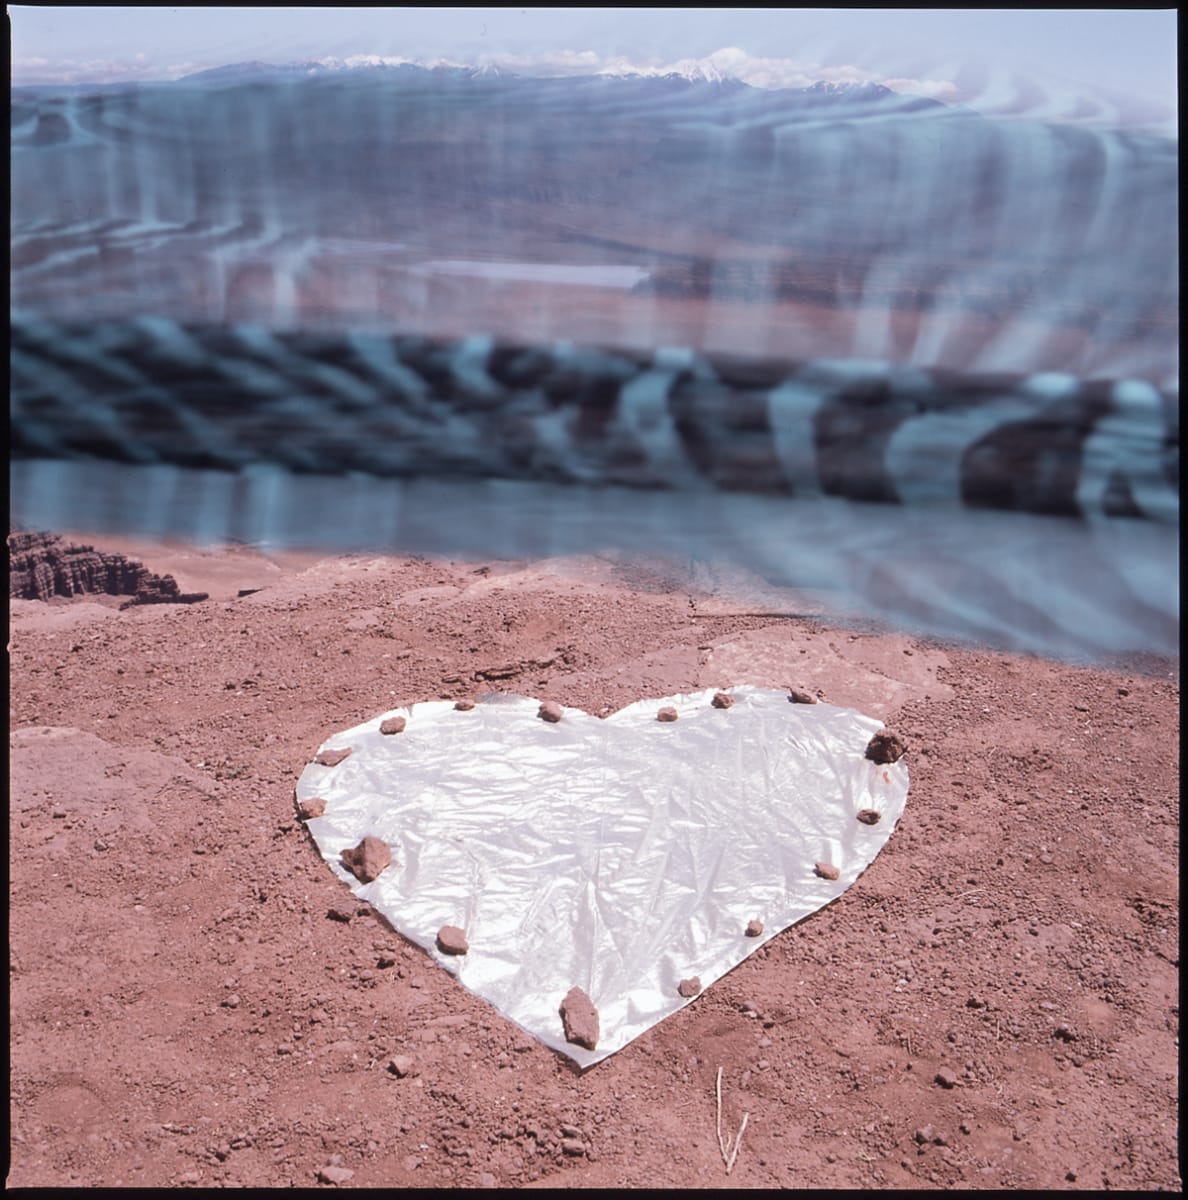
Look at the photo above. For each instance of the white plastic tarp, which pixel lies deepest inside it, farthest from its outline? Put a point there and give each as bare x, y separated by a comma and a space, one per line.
621, 855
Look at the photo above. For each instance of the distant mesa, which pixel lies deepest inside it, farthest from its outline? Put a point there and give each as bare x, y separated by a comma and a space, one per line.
42, 565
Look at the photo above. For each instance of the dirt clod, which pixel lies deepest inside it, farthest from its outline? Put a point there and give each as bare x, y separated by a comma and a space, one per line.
452, 940
313, 806
722, 700
667, 713
341, 912
754, 928
797, 696
393, 725
550, 711
464, 705
689, 987
946, 1078
400, 1065
579, 1018
870, 816
826, 870
885, 747
335, 1175
366, 860
331, 758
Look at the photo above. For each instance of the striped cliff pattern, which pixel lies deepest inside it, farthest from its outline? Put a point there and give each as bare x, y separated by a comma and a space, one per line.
849, 340
229, 398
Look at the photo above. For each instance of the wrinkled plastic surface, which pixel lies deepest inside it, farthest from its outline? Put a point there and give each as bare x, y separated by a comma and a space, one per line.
619, 855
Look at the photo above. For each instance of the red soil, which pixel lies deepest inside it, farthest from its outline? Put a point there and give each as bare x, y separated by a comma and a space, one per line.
195, 999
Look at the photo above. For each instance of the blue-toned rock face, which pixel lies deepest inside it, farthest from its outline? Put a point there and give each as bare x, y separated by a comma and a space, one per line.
929, 235
784, 311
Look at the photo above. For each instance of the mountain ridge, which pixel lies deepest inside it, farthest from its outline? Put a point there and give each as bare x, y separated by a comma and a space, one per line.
697, 76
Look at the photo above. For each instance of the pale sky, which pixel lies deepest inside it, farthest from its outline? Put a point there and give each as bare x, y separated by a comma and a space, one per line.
1126, 54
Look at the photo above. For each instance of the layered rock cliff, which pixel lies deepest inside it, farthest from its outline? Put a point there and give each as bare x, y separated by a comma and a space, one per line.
42, 565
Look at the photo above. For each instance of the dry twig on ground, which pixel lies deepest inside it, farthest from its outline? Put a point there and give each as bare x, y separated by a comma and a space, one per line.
728, 1157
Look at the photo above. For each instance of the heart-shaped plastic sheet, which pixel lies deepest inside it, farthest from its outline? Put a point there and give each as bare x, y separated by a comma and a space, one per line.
621, 855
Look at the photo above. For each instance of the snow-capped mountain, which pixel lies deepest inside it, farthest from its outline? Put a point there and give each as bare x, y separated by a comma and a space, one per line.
699, 78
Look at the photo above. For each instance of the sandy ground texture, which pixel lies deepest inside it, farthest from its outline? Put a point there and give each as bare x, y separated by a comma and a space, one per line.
993, 1004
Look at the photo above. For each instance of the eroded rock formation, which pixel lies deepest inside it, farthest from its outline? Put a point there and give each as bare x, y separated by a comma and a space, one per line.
42, 565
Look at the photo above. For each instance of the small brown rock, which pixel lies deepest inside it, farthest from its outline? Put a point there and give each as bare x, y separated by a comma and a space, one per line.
796, 696
335, 1175
393, 725
313, 807
341, 912
580, 1019
870, 816
690, 987
667, 713
722, 700
946, 1078
464, 705
573, 1147
754, 928
452, 940
885, 747
401, 1065
366, 860
550, 711
826, 870
331, 758
486, 1179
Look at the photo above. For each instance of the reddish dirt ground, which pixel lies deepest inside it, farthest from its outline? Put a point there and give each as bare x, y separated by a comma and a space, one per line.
993, 1004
